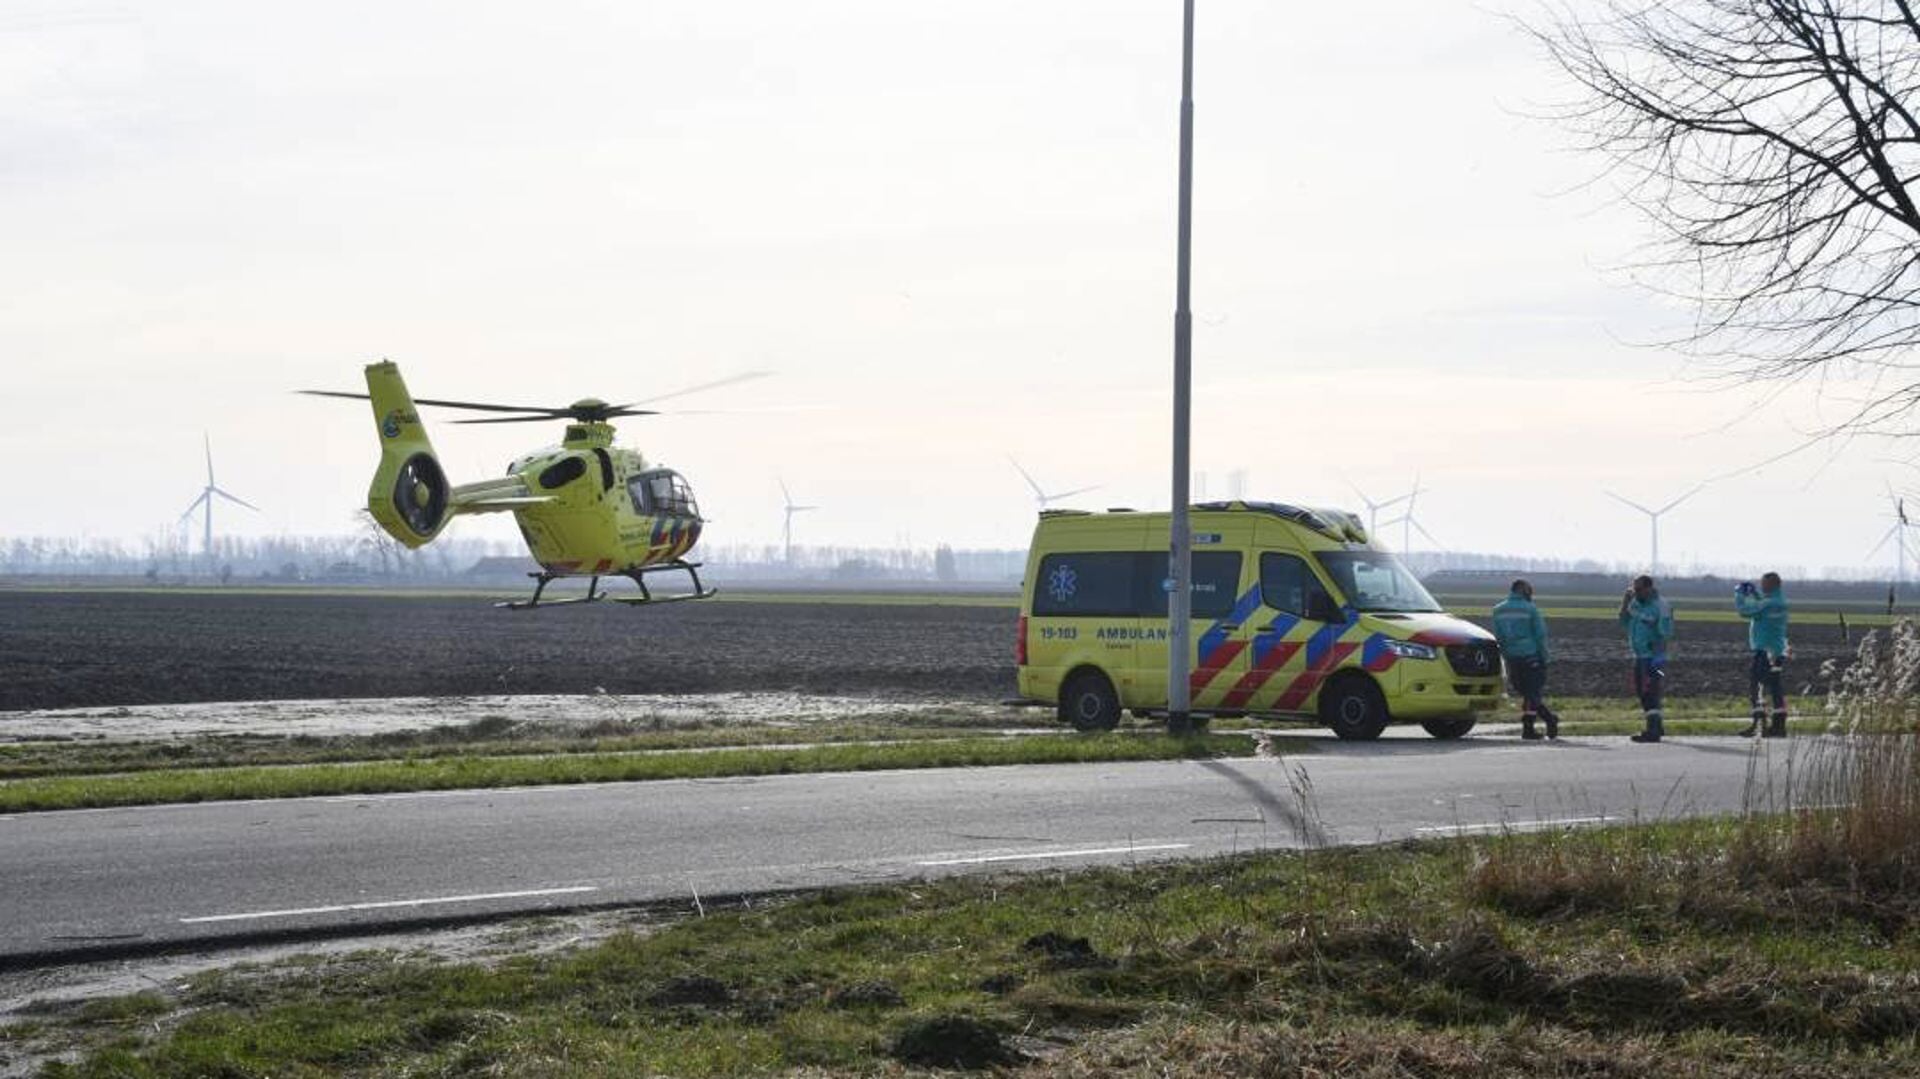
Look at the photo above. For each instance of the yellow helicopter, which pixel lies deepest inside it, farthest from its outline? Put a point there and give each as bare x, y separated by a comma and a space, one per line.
585, 507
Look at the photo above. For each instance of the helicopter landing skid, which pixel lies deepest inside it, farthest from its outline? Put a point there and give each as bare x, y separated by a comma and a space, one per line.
594, 595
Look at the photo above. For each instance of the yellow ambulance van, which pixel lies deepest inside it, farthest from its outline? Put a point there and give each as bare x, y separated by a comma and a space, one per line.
1295, 614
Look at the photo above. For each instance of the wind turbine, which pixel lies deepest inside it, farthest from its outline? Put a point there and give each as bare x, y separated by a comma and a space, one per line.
1409, 524
1898, 535
1374, 508
786, 530
207, 494
1653, 559
1042, 496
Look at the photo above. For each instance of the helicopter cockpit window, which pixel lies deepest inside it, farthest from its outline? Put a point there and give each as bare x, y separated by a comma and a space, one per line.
665, 493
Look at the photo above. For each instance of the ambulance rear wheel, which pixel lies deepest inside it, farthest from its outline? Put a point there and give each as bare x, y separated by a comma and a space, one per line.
1449, 728
1354, 708
1089, 703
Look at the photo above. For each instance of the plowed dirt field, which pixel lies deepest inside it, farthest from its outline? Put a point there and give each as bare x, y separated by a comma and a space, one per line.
87, 649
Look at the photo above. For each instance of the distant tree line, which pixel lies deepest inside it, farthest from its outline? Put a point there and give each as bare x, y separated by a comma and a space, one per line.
283, 558
370, 555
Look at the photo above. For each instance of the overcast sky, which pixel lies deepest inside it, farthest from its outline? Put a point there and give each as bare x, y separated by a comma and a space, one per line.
946, 226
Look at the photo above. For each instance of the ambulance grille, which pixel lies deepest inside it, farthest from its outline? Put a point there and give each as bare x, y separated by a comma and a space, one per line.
1480, 658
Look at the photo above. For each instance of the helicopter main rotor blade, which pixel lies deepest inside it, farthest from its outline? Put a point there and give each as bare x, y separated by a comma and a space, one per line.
472, 406
478, 406
744, 376
563, 414
541, 418
545, 412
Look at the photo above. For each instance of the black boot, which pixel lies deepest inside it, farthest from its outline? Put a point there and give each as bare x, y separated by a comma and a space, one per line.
1527, 733
1653, 731
1757, 726
1553, 722
1778, 728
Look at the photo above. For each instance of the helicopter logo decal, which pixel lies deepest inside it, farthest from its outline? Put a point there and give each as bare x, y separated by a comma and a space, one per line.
1062, 583
390, 426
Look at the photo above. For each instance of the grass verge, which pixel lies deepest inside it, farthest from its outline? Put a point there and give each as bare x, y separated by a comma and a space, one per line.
501, 736
1425, 960
468, 772
489, 736
1592, 717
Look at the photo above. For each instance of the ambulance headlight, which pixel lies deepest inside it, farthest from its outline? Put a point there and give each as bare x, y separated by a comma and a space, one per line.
1412, 650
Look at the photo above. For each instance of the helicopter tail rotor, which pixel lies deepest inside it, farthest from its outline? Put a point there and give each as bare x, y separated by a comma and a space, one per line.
409, 495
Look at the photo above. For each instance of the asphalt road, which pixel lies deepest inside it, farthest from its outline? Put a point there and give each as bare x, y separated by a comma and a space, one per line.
128, 880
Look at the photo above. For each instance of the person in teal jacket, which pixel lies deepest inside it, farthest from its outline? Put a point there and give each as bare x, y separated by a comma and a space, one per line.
1648, 620
1522, 633
1765, 609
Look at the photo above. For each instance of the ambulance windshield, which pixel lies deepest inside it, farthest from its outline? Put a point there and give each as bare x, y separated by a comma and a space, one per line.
1376, 581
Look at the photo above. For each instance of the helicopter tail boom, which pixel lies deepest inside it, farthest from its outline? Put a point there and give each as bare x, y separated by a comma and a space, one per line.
495, 496
409, 496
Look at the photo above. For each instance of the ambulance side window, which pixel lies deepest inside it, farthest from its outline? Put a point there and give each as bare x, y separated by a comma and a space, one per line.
1216, 583
1088, 584
1285, 582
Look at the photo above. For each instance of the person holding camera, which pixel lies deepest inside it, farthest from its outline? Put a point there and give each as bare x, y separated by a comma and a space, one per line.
1765, 609
1522, 633
1648, 620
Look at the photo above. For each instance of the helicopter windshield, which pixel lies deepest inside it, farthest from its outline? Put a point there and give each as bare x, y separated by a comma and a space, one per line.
663, 492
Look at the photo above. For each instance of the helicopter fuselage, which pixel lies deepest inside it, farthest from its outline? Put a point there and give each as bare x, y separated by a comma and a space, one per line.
603, 509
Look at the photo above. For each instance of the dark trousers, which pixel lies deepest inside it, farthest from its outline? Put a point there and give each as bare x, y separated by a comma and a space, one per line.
1649, 677
1529, 678
1765, 680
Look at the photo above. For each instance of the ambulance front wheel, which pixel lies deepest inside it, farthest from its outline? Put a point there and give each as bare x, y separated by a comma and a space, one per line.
1354, 708
1088, 702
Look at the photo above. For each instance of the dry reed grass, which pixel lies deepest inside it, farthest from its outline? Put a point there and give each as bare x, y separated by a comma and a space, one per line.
1853, 801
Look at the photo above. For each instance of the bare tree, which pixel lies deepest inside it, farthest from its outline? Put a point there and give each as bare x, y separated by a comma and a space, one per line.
375, 538
1772, 144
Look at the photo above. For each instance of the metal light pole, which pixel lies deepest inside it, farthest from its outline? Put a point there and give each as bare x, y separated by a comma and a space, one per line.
1180, 551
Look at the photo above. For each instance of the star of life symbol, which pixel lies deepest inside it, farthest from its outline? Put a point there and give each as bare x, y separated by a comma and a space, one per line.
1062, 583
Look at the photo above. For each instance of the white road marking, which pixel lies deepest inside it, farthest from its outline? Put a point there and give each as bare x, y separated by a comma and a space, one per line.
345, 907
1083, 852
1512, 826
